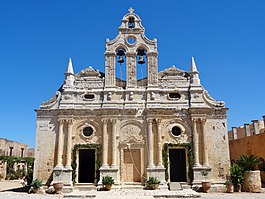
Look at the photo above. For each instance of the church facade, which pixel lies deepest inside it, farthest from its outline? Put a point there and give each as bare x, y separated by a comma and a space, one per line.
164, 125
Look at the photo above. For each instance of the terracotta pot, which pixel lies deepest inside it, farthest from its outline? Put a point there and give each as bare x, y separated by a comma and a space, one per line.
229, 188
36, 190
108, 187
206, 186
154, 186
58, 187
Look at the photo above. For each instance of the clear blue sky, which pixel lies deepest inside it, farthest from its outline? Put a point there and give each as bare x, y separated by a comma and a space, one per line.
227, 39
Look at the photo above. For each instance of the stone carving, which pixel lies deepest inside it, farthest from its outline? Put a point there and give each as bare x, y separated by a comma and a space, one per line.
52, 102
131, 133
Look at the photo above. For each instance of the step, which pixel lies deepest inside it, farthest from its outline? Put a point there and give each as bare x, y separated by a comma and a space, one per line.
175, 186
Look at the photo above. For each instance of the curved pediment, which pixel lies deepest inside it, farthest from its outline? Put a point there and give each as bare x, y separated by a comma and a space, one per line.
89, 72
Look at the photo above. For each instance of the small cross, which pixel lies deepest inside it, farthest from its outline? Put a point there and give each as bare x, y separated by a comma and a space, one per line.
131, 10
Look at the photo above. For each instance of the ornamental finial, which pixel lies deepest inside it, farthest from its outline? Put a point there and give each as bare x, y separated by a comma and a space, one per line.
131, 10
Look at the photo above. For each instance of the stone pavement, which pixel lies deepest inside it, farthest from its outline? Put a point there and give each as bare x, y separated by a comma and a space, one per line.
128, 195
134, 194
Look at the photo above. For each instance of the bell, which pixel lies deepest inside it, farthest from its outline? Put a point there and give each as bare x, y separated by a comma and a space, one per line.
120, 59
131, 25
141, 60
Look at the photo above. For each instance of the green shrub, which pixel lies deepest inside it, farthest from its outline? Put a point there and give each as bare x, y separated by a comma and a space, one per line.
248, 162
107, 180
37, 183
152, 180
236, 173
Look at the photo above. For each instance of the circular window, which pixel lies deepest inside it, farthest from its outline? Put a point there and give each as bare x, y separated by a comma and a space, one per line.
88, 131
176, 131
131, 40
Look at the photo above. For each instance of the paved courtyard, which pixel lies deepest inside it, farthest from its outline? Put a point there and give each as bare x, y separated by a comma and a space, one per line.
8, 190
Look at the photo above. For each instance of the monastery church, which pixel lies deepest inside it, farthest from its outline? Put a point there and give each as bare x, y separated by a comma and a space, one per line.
164, 125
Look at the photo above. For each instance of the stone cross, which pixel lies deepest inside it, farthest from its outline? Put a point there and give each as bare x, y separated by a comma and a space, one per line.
131, 10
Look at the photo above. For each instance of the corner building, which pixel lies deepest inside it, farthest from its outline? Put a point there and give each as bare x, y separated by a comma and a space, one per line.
164, 125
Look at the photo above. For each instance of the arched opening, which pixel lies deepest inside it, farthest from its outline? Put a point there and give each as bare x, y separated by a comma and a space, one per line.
141, 66
131, 23
121, 67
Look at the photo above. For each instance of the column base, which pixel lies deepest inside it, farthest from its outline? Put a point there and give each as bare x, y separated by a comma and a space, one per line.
198, 174
158, 172
113, 172
62, 175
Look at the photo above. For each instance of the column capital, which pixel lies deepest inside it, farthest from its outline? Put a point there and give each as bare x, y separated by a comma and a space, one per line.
113, 120
69, 121
130, 54
104, 121
60, 120
203, 120
150, 120
158, 121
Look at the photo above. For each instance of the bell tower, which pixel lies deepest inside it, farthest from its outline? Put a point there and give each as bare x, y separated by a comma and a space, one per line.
130, 47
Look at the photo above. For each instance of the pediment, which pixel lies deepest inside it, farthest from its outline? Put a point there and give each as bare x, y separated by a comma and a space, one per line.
88, 72
172, 71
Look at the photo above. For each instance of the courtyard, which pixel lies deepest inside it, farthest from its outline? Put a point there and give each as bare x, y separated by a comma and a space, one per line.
11, 190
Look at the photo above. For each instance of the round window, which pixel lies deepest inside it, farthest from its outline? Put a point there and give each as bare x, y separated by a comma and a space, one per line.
176, 131
131, 40
88, 131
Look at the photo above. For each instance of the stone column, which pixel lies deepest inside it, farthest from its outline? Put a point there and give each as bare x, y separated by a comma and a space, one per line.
205, 149
69, 145
114, 145
150, 144
60, 145
195, 144
159, 143
234, 133
105, 144
256, 126
247, 130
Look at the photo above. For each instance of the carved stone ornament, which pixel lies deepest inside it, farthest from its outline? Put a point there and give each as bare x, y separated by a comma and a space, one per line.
131, 133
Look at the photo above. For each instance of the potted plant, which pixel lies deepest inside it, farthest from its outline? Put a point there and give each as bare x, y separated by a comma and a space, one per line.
107, 181
57, 184
36, 185
236, 173
229, 185
252, 181
153, 182
206, 185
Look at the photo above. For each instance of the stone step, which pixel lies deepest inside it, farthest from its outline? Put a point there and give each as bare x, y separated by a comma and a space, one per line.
175, 186
84, 187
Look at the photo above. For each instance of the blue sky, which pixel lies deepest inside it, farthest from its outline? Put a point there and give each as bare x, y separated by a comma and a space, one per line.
227, 39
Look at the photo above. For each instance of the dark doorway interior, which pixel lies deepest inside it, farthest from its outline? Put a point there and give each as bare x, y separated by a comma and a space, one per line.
178, 172
86, 171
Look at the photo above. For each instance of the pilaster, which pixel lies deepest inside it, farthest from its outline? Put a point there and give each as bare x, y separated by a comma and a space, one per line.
131, 69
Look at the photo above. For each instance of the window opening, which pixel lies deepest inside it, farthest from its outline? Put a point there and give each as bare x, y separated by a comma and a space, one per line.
120, 64
131, 23
89, 96
88, 131
174, 95
10, 152
22, 152
141, 65
176, 131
